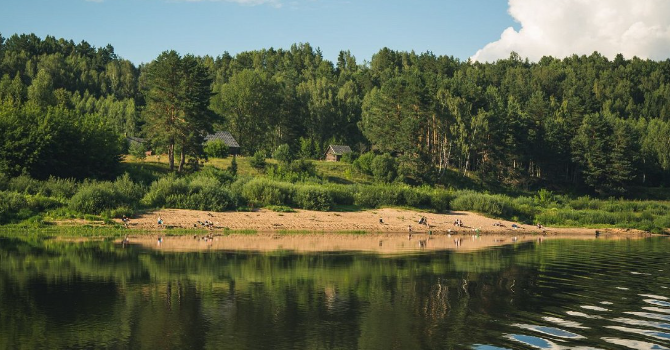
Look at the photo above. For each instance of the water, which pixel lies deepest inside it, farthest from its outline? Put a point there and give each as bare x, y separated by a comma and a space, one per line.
552, 295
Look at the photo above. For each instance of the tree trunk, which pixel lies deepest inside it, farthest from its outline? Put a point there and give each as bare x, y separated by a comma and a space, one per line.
182, 160
171, 156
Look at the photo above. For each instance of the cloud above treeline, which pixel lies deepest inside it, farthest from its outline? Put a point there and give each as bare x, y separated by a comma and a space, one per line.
561, 28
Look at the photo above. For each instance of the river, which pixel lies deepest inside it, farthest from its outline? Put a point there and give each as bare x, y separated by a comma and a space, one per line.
558, 294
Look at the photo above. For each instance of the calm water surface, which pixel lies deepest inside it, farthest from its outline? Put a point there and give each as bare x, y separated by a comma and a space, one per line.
595, 294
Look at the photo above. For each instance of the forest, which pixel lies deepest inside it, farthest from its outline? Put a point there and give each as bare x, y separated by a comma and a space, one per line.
584, 123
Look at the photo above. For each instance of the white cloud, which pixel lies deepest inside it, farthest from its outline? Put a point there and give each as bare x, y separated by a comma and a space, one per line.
562, 28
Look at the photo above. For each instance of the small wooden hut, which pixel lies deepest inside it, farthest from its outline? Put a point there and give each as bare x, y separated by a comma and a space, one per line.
335, 152
227, 138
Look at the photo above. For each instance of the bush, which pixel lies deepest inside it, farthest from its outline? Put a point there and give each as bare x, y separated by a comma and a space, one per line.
283, 154
161, 189
24, 184
13, 207
258, 160
313, 198
94, 198
264, 192
415, 197
216, 149
137, 150
97, 197
341, 194
59, 188
232, 169
349, 157
384, 168
440, 200
364, 163
494, 205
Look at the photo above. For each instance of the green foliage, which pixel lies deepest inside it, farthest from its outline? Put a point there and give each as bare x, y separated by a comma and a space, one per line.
364, 163
384, 168
258, 160
349, 157
98, 197
313, 198
137, 150
57, 142
263, 192
216, 149
233, 166
163, 189
283, 154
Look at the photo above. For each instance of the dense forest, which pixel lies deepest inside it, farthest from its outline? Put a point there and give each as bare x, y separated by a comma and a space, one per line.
584, 122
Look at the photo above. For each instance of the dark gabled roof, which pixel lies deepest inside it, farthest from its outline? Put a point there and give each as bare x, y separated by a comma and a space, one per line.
340, 150
224, 136
135, 139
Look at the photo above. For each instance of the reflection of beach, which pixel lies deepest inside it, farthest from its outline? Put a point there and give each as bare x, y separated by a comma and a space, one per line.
382, 243
394, 221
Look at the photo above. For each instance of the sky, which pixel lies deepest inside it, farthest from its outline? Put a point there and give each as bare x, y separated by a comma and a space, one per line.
484, 30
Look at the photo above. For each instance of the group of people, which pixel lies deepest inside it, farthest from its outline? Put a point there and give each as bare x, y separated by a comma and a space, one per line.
458, 223
207, 224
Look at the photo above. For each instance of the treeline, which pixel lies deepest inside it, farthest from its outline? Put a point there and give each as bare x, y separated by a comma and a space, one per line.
584, 121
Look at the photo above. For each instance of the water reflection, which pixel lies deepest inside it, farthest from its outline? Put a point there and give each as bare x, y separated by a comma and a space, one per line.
104, 295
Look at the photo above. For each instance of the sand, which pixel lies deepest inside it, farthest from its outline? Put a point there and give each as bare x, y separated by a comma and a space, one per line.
306, 230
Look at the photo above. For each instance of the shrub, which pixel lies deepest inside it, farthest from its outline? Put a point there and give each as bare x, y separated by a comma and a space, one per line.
232, 169
24, 184
415, 197
138, 150
94, 198
283, 154
216, 149
494, 205
59, 188
267, 192
341, 194
384, 168
161, 189
258, 160
313, 198
349, 157
13, 206
364, 163
440, 200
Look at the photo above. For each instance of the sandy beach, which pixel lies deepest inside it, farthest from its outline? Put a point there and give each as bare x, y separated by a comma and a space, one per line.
387, 231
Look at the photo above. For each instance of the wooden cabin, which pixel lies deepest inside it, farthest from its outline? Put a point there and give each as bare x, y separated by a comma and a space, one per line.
227, 138
335, 152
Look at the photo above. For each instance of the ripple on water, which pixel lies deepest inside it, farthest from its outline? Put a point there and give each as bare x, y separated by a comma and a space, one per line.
594, 308
636, 322
487, 347
656, 309
564, 323
654, 296
581, 314
556, 332
651, 315
657, 302
649, 333
634, 344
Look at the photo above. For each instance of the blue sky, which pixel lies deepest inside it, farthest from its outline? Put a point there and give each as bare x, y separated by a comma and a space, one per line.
140, 30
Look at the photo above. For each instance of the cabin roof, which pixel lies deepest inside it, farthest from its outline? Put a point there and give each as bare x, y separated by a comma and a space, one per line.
224, 136
340, 149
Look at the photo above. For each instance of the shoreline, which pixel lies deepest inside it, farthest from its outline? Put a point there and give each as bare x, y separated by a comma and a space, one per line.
378, 221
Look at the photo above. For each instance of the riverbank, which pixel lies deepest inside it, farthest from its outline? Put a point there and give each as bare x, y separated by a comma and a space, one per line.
387, 220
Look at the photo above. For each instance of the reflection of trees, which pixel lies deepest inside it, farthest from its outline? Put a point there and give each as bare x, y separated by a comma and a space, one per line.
87, 294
